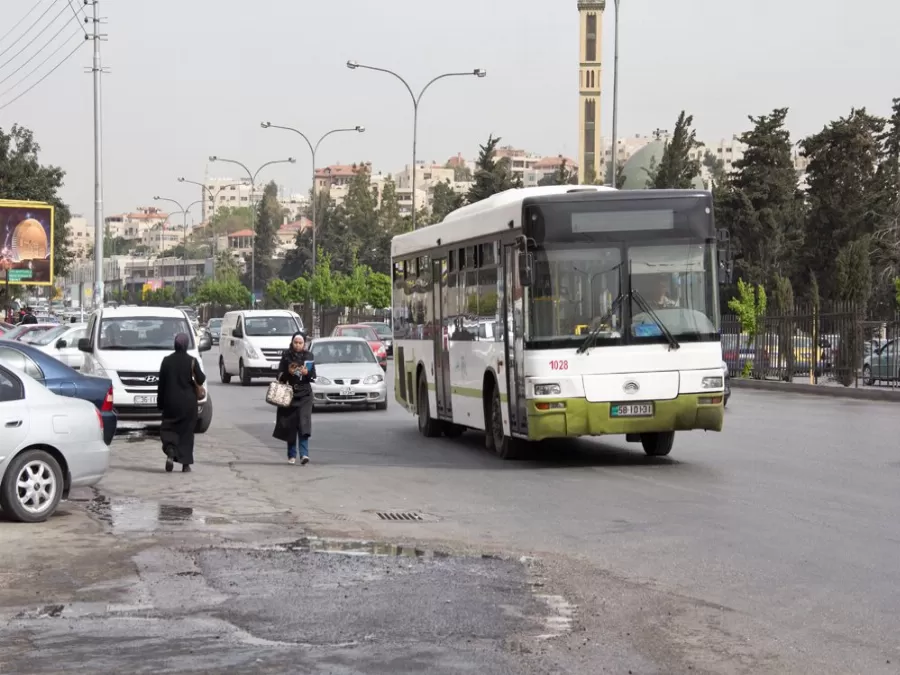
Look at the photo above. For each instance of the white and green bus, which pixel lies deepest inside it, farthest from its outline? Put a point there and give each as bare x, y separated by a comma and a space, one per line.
558, 312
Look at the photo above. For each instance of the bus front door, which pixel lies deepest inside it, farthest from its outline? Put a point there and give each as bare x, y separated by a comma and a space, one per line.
440, 338
514, 303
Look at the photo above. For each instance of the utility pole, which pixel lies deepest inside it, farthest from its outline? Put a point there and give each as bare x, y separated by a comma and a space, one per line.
97, 70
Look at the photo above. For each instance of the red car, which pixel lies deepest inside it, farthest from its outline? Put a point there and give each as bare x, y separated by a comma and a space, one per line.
368, 334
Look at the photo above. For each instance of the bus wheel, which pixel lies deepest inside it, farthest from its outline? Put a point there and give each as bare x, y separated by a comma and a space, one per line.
658, 444
427, 426
504, 446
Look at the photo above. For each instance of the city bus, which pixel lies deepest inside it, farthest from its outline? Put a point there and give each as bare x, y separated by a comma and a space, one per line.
560, 312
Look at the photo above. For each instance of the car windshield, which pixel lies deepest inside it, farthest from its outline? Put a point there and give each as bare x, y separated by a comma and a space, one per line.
214, 323
363, 332
143, 333
382, 329
49, 336
342, 351
270, 326
30, 333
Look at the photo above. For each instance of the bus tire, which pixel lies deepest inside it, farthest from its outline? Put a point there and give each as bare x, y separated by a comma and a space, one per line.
659, 443
503, 446
428, 427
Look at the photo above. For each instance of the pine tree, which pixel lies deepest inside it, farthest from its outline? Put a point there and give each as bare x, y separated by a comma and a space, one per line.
491, 176
269, 217
444, 199
760, 203
562, 175
676, 168
886, 241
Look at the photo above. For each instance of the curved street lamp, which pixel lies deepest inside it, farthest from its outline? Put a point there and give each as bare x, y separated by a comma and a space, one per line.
416, 99
252, 175
213, 196
184, 212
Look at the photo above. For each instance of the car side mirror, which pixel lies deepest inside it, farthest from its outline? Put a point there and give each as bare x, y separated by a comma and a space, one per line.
205, 343
526, 264
235, 333
61, 344
84, 345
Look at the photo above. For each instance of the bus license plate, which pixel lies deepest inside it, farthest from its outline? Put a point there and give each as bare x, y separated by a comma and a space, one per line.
145, 400
632, 410
346, 391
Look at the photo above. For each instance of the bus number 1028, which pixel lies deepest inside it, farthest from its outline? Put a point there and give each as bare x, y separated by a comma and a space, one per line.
559, 365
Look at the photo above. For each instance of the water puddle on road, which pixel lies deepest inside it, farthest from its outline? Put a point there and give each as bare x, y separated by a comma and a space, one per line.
125, 514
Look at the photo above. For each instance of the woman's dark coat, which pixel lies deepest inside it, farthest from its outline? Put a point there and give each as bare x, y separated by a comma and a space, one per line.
296, 419
177, 399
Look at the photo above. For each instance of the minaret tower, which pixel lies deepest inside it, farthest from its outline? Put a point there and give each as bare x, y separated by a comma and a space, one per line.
590, 151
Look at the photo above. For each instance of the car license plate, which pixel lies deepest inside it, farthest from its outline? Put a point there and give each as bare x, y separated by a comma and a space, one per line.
346, 391
145, 400
632, 410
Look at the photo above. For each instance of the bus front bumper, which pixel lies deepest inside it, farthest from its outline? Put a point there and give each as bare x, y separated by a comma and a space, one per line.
571, 417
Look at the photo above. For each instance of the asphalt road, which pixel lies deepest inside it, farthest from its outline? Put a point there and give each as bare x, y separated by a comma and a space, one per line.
769, 548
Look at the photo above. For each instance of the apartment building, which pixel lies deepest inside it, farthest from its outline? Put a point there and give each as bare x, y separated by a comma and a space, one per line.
133, 225
81, 236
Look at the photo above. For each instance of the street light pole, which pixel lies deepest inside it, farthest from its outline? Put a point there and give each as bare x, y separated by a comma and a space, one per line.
252, 176
184, 212
213, 196
313, 148
478, 72
615, 120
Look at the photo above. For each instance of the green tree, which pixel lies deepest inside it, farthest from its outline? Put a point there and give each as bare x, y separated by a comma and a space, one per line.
160, 297
783, 297
749, 306
760, 203
278, 294
620, 174
298, 260
269, 217
228, 219
323, 285
843, 193
225, 293
897, 290
389, 219
461, 173
351, 288
562, 175
379, 290
300, 290
491, 175
444, 200
23, 177
886, 241
677, 170
854, 286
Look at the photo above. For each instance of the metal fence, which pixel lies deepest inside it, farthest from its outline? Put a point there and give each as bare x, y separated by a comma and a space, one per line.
831, 344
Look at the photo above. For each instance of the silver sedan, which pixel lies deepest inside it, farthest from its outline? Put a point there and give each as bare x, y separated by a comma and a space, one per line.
347, 373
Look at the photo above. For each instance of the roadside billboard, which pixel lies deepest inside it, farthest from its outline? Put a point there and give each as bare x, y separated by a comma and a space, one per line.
26, 242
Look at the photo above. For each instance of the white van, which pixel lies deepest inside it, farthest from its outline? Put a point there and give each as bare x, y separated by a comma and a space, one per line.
252, 342
127, 345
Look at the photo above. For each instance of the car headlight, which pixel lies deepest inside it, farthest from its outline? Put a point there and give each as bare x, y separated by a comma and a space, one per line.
373, 379
547, 390
712, 382
323, 380
251, 351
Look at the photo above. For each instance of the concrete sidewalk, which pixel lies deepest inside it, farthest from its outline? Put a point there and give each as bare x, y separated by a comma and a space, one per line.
832, 390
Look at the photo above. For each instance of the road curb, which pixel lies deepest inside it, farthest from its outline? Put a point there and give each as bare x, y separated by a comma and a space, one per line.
890, 395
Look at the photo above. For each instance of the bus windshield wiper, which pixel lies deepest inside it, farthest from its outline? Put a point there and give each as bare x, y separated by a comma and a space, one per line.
647, 309
591, 339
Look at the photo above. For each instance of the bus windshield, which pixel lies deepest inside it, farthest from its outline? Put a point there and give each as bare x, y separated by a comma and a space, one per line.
627, 276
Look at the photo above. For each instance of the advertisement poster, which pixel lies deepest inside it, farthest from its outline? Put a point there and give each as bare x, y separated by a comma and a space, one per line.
26, 242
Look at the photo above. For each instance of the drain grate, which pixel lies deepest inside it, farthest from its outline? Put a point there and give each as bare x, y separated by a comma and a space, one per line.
406, 516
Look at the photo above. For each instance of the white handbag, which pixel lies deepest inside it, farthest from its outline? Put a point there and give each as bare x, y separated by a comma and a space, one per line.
280, 395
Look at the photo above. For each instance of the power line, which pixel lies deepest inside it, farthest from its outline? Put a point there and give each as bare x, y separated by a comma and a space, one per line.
19, 23
41, 32
27, 30
21, 66
79, 19
43, 77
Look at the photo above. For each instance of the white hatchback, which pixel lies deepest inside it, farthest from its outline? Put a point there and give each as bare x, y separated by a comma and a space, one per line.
49, 444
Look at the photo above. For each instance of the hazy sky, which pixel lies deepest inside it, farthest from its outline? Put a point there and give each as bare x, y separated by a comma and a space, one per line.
195, 77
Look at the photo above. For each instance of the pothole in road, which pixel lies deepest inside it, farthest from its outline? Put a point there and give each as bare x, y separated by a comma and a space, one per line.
126, 514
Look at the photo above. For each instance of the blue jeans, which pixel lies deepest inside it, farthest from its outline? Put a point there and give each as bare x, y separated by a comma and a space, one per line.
304, 448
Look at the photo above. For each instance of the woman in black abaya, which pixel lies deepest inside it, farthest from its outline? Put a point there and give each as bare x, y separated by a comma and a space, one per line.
177, 398
293, 424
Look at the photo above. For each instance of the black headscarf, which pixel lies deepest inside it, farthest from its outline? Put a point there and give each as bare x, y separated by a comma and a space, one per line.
181, 342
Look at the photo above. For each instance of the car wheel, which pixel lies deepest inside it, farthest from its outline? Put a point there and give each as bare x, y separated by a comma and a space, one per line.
658, 444
223, 374
205, 420
868, 380
32, 488
243, 376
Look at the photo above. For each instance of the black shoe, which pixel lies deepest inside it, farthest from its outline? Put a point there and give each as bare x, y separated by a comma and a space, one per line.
304, 461
186, 468
169, 465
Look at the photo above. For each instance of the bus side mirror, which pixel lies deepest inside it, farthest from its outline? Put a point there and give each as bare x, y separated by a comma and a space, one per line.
526, 264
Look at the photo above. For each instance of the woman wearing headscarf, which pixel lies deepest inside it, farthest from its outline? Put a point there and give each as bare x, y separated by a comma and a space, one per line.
176, 396
293, 424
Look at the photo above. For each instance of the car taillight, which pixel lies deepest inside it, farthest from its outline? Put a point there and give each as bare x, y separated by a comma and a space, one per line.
108, 402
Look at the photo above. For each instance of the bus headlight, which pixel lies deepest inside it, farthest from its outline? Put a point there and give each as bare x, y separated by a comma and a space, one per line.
547, 390
712, 382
